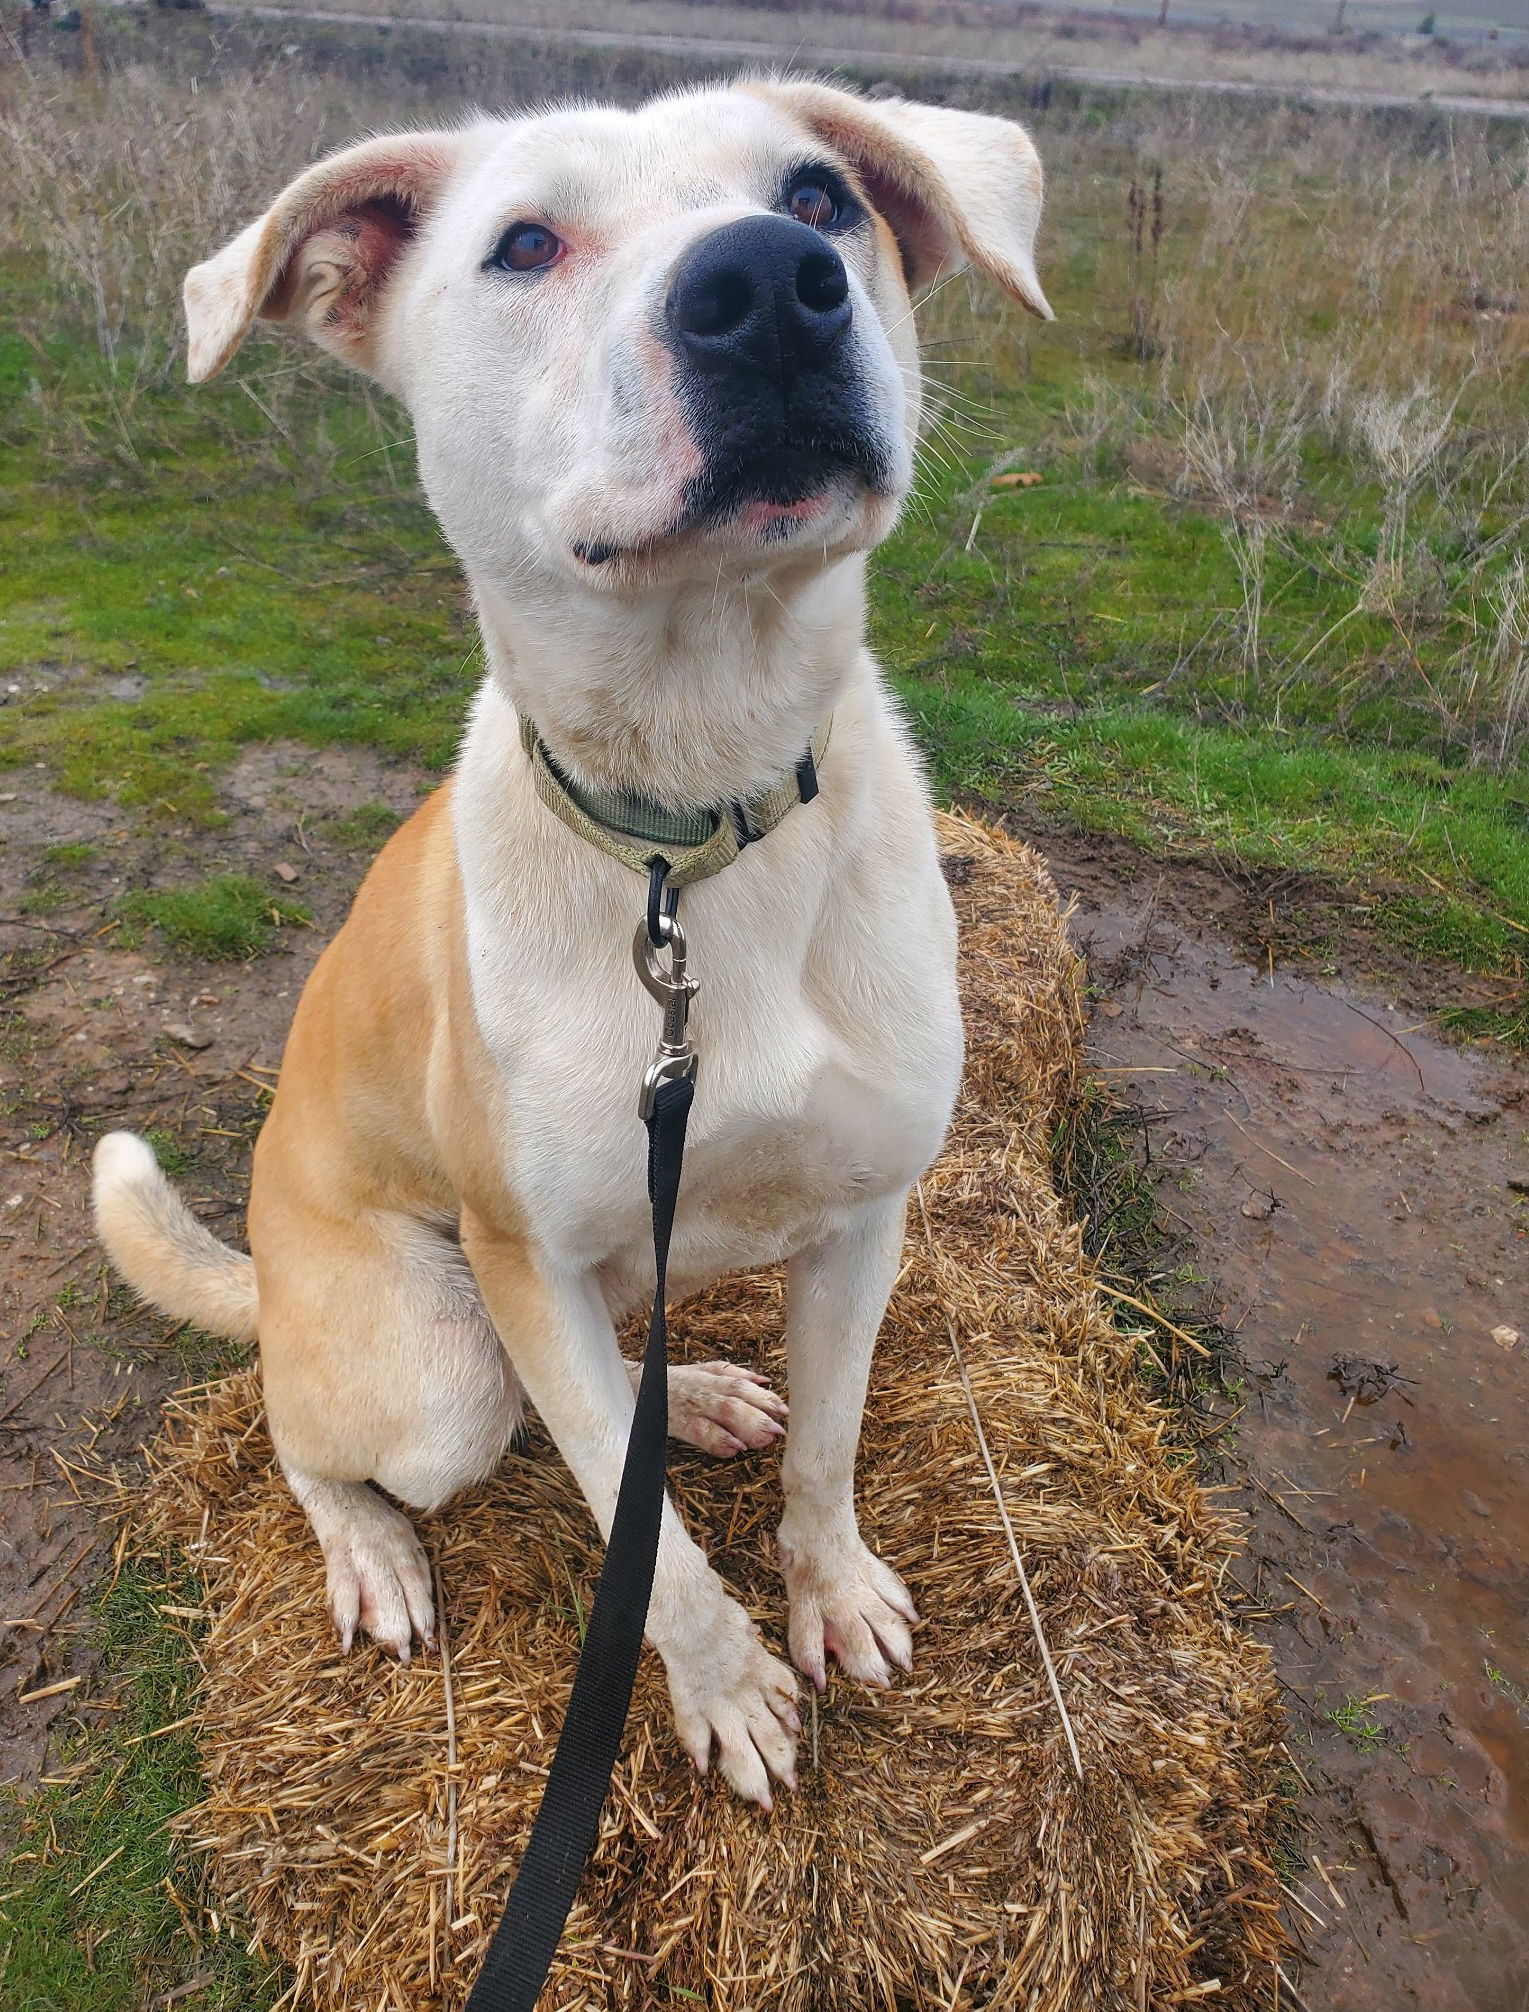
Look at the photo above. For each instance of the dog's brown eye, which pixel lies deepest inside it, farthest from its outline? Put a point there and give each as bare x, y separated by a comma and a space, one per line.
526, 248
810, 202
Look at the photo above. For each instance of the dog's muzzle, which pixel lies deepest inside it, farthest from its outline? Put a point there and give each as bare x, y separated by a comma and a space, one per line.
760, 321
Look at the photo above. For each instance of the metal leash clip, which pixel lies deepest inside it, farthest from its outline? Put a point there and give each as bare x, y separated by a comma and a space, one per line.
676, 1059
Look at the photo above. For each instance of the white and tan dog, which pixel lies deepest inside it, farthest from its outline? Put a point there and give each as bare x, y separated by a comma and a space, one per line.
662, 369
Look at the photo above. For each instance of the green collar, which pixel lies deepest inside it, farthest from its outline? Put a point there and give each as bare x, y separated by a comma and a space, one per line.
635, 830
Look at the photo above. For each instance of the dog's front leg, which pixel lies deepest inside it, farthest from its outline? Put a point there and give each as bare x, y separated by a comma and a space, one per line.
727, 1690
844, 1601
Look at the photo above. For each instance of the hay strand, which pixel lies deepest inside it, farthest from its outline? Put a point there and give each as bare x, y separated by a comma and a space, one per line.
1003, 1513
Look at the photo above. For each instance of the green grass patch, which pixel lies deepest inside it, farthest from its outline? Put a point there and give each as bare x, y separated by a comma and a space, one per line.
365, 828
229, 916
168, 1150
1171, 784
42, 897
250, 602
90, 1921
1355, 1720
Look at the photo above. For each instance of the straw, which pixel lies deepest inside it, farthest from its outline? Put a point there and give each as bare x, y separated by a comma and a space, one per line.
941, 1849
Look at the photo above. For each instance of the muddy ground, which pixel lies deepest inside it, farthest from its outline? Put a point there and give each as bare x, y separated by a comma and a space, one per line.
85, 1044
1351, 1194
1355, 1196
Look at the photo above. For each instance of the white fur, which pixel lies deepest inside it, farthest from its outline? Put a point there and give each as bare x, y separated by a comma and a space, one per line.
828, 1022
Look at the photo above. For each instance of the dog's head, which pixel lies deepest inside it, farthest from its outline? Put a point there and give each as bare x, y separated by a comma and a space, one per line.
643, 345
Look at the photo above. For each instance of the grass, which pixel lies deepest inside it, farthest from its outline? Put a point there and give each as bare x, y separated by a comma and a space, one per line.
246, 622
1098, 1170
1355, 1720
168, 1150
1501, 1682
228, 916
365, 828
102, 1910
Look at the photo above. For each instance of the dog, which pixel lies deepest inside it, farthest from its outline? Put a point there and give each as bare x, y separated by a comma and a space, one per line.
663, 374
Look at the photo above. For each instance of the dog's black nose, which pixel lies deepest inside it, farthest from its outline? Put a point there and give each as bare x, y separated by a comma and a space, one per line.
765, 297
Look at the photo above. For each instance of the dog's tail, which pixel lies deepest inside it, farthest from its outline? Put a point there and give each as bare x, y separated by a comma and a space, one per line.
161, 1249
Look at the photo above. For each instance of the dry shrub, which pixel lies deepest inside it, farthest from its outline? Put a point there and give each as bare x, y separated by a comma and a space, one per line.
939, 1851
1329, 333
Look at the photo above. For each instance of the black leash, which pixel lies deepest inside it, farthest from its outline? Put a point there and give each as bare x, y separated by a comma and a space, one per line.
563, 1836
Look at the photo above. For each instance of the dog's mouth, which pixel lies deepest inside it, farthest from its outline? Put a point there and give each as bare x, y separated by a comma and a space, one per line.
782, 484
767, 495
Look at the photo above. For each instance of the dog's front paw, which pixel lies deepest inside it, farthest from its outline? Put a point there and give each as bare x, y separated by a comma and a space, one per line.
846, 1604
722, 1409
733, 1696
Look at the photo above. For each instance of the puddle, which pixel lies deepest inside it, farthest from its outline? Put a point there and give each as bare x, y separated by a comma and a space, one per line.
1345, 1181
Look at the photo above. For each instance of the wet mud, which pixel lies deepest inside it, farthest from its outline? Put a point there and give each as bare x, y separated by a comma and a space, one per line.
1354, 1194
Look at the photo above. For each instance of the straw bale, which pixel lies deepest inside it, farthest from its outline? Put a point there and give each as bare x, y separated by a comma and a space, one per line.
939, 1851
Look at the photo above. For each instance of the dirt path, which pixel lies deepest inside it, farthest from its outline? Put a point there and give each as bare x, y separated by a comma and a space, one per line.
773, 55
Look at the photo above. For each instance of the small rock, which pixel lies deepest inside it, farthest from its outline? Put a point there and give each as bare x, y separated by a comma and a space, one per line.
285, 872
185, 1036
1110, 1008
1259, 1206
1475, 1504
1506, 1337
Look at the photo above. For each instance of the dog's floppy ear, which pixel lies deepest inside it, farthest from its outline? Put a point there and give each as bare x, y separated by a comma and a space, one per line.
955, 187
322, 251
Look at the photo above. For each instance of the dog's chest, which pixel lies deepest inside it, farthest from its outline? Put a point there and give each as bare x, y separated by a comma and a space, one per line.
765, 1189
817, 1090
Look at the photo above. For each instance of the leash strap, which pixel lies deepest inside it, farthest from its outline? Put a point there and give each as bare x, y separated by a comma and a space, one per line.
567, 1824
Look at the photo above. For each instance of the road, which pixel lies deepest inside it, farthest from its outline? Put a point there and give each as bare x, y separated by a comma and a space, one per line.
770, 53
